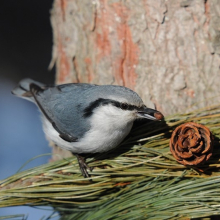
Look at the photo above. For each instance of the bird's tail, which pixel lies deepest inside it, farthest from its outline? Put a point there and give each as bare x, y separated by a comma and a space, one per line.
23, 89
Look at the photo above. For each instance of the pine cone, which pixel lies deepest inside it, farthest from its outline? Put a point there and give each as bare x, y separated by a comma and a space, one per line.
191, 144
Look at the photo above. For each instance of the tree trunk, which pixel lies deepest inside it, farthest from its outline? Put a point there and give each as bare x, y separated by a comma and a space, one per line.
165, 50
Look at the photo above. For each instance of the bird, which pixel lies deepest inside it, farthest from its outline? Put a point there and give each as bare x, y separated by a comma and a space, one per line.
86, 118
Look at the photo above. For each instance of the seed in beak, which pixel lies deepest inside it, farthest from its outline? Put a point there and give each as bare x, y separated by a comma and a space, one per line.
158, 115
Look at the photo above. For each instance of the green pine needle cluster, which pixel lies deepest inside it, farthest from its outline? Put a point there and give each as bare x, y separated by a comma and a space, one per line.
138, 180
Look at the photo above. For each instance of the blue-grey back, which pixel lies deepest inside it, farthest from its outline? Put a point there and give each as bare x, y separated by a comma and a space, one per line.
64, 106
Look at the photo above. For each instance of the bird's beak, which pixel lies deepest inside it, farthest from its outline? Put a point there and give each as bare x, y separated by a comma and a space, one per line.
149, 113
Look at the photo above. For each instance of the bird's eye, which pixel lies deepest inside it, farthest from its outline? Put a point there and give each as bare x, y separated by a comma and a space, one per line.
124, 106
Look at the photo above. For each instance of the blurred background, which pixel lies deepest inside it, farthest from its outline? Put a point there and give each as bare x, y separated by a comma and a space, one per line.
25, 51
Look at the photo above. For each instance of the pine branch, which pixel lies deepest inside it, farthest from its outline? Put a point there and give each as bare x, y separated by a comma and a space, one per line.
140, 179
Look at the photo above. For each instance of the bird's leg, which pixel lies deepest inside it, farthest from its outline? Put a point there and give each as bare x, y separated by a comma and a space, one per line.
83, 166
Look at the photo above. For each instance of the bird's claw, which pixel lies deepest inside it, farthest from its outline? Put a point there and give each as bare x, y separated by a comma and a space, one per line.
83, 166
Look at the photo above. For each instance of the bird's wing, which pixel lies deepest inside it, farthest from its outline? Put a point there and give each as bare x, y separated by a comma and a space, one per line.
63, 107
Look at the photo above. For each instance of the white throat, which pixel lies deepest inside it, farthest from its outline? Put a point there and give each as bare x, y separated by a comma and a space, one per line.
109, 127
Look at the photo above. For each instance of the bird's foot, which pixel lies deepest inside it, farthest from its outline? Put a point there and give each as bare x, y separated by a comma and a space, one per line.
83, 166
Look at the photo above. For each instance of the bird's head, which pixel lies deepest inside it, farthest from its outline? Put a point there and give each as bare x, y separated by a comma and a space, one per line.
119, 103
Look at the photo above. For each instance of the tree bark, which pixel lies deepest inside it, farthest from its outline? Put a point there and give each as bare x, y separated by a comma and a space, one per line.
165, 50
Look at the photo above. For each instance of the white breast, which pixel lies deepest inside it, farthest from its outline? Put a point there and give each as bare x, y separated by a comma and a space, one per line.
108, 129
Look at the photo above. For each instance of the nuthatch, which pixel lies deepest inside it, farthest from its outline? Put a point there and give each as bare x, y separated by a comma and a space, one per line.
85, 118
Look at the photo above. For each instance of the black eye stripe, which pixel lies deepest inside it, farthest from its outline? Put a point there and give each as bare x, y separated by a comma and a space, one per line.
124, 106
